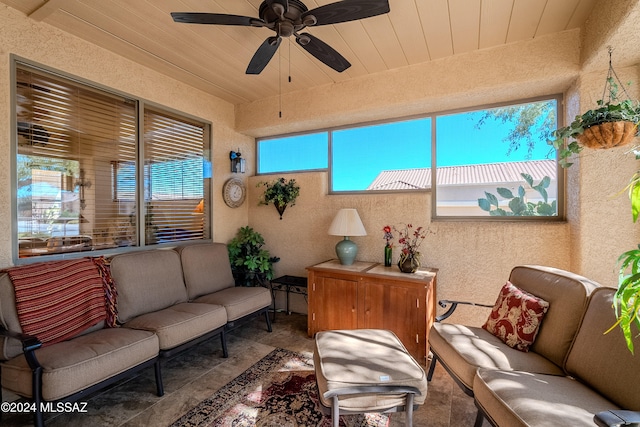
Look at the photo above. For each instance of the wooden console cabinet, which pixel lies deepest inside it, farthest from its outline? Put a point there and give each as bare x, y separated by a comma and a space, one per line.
369, 295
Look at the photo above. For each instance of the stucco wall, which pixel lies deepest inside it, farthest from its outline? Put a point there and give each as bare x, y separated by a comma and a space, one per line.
599, 209
53, 48
473, 258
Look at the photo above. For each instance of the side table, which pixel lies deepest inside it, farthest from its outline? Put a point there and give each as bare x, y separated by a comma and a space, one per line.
289, 284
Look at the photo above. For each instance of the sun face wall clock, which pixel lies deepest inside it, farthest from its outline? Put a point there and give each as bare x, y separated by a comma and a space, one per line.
234, 192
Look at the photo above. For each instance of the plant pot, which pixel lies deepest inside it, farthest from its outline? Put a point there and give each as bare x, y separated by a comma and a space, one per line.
608, 135
408, 263
280, 207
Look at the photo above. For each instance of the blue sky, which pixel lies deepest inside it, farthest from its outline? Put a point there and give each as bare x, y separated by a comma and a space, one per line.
359, 154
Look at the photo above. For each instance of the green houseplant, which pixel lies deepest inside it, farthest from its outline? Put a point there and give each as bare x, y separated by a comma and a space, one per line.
614, 123
250, 263
280, 192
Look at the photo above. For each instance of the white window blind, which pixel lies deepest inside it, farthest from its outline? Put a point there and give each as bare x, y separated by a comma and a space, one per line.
174, 165
77, 169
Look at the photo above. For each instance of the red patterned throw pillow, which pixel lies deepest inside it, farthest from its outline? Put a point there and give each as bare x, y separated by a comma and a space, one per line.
516, 317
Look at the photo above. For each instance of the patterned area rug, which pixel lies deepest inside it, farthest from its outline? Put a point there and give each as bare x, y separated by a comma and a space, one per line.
278, 391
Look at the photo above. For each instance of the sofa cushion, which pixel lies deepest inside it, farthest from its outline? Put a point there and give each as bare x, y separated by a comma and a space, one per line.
567, 295
206, 268
180, 323
603, 361
147, 281
74, 365
239, 301
362, 358
514, 398
516, 317
462, 349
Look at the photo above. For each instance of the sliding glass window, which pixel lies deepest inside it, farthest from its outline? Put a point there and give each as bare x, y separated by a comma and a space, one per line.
78, 169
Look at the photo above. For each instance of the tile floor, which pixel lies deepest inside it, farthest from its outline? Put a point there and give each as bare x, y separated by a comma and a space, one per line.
195, 374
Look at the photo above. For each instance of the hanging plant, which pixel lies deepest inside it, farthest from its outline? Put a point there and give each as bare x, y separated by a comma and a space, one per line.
613, 124
280, 192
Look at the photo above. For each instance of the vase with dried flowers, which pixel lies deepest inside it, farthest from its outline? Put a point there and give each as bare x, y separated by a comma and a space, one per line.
410, 239
388, 249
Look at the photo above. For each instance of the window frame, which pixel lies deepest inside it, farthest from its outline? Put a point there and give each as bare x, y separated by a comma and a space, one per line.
141, 106
560, 176
560, 173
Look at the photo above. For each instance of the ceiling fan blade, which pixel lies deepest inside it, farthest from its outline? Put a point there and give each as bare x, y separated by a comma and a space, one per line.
323, 52
263, 55
216, 19
348, 10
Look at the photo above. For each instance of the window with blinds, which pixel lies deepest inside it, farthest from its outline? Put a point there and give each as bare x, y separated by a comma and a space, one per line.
173, 177
79, 166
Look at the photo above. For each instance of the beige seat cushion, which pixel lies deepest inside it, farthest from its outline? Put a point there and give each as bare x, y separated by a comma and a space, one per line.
147, 281
206, 268
514, 398
462, 349
603, 361
239, 301
180, 323
74, 365
365, 357
567, 294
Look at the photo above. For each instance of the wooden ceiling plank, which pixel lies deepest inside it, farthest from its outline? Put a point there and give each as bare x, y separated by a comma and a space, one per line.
156, 39
494, 22
525, 19
383, 36
465, 25
407, 27
360, 43
436, 27
581, 13
126, 50
556, 16
46, 9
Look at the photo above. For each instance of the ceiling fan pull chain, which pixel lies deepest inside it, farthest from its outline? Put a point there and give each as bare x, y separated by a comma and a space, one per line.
280, 84
289, 60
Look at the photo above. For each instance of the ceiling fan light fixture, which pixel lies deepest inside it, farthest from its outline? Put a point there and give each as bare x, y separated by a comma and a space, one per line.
285, 28
309, 21
302, 39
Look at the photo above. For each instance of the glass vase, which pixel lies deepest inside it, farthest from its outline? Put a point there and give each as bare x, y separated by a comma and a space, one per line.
408, 263
387, 255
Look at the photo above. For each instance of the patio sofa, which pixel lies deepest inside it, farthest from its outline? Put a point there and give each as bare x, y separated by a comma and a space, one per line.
156, 317
572, 371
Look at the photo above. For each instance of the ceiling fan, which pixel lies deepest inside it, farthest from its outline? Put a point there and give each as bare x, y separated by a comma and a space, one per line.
289, 17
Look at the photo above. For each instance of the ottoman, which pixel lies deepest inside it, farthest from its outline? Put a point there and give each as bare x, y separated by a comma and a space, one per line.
367, 370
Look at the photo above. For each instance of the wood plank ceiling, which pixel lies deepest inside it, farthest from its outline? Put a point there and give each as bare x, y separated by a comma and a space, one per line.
214, 58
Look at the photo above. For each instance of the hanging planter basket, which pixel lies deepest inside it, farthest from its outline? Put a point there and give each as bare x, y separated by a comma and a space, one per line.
608, 135
613, 123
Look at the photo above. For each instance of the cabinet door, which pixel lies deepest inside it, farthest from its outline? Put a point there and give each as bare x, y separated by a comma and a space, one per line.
398, 308
334, 304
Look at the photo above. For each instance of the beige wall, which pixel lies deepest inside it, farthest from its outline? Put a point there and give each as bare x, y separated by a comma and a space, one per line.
53, 48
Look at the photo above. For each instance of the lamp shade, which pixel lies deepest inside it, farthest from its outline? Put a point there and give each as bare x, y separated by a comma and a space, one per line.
347, 223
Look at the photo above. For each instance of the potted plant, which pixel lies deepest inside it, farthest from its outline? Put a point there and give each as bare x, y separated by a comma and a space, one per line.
250, 263
614, 123
280, 192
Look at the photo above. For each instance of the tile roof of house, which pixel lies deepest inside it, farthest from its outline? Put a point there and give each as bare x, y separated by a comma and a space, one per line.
492, 173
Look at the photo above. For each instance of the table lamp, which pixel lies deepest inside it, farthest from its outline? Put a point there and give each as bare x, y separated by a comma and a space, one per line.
347, 223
